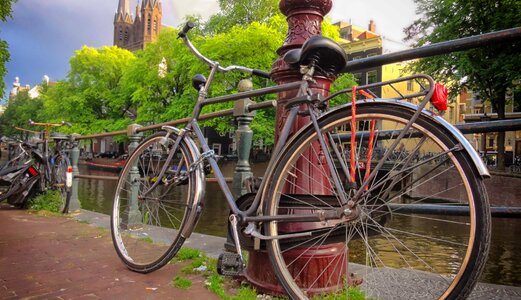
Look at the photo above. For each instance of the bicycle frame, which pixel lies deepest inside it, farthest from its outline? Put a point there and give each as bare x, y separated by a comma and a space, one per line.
304, 96
302, 88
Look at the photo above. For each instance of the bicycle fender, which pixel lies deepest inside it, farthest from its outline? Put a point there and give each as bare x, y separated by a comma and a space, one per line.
200, 185
478, 163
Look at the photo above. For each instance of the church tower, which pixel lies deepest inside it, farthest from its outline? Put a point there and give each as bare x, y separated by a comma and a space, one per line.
134, 32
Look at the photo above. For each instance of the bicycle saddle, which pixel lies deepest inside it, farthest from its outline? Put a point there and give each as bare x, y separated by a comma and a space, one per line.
324, 53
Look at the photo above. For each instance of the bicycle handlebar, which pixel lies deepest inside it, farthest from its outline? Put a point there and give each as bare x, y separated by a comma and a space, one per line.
63, 123
183, 34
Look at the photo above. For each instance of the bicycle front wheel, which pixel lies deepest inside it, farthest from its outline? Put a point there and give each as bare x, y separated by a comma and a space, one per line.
421, 229
147, 223
59, 169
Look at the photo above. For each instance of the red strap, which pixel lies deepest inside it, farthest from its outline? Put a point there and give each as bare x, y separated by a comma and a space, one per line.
353, 135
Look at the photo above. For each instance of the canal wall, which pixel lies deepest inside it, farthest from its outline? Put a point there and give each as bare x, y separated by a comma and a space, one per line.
503, 189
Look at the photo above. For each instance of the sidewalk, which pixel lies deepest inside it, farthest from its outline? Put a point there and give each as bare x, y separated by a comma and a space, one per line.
46, 257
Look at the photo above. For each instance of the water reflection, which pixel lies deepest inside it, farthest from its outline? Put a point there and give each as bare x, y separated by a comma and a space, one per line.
502, 266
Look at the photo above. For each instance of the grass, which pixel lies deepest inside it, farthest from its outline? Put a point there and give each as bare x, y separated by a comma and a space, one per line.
147, 239
353, 293
182, 283
48, 201
201, 264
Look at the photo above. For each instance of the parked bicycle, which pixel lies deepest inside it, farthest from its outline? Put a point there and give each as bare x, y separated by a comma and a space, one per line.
18, 176
54, 165
319, 214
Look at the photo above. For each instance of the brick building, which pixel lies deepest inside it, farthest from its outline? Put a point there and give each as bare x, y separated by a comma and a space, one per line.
133, 32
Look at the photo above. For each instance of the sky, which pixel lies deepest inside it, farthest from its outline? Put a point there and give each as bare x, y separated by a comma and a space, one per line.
43, 34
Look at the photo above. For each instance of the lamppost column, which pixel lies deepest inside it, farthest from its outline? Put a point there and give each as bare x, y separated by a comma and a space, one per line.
304, 21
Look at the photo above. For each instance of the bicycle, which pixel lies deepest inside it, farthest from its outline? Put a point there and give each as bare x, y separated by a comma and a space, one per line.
54, 166
18, 176
319, 214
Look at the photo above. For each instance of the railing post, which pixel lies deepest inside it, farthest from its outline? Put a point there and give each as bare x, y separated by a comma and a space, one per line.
134, 216
243, 138
74, 153
304, 21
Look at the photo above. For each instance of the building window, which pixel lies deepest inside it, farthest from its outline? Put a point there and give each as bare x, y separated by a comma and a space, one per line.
491, 142
410, 85
149, 24
155, 26
126, 36
371, 77
120, 34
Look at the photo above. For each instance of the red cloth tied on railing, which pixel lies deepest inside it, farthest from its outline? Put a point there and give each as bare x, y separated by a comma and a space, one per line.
439, 97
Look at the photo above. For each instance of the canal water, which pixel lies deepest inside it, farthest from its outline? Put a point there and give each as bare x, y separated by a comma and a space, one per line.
502, 266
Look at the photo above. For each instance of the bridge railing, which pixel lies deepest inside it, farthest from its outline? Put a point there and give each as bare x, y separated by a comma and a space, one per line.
243, 112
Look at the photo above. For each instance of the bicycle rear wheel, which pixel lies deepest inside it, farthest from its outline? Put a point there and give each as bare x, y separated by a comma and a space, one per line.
146, 228
59, 181
421, 230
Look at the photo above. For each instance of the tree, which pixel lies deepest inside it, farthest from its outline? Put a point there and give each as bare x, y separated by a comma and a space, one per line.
5, 13
490, 70
90, 97
20, 109
239, 12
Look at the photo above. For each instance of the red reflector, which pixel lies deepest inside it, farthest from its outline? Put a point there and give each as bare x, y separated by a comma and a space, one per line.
32, 171
69, 169
439, 98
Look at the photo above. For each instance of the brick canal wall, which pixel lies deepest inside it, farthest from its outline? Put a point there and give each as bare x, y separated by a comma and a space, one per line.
504, 190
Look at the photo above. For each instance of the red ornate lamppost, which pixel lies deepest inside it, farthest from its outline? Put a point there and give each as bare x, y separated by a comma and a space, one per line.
304, 21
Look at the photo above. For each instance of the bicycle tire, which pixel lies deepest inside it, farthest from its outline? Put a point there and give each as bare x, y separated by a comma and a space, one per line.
393, 261
59, 181
147, 233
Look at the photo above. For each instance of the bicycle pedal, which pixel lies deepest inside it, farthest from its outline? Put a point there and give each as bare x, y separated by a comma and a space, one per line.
230, 264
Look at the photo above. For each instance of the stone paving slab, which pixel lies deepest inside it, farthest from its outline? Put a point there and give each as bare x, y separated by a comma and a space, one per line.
46, 257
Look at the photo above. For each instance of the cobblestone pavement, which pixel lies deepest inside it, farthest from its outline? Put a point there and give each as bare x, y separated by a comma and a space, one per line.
45, 257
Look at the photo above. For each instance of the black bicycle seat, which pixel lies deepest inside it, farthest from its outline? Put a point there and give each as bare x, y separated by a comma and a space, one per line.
325, 53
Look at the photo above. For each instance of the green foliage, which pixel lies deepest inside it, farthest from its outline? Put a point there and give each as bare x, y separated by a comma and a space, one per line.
91, 97
489, 70
48, 201
186, 253
18, 112
216, 285
352, 294
182, 283
241, 13
109, 88
6, 9
5, 13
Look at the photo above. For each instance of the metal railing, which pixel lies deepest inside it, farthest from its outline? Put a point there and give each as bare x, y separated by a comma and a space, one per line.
243, 112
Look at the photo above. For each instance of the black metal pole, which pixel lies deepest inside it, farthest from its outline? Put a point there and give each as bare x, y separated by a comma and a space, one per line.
435, 49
